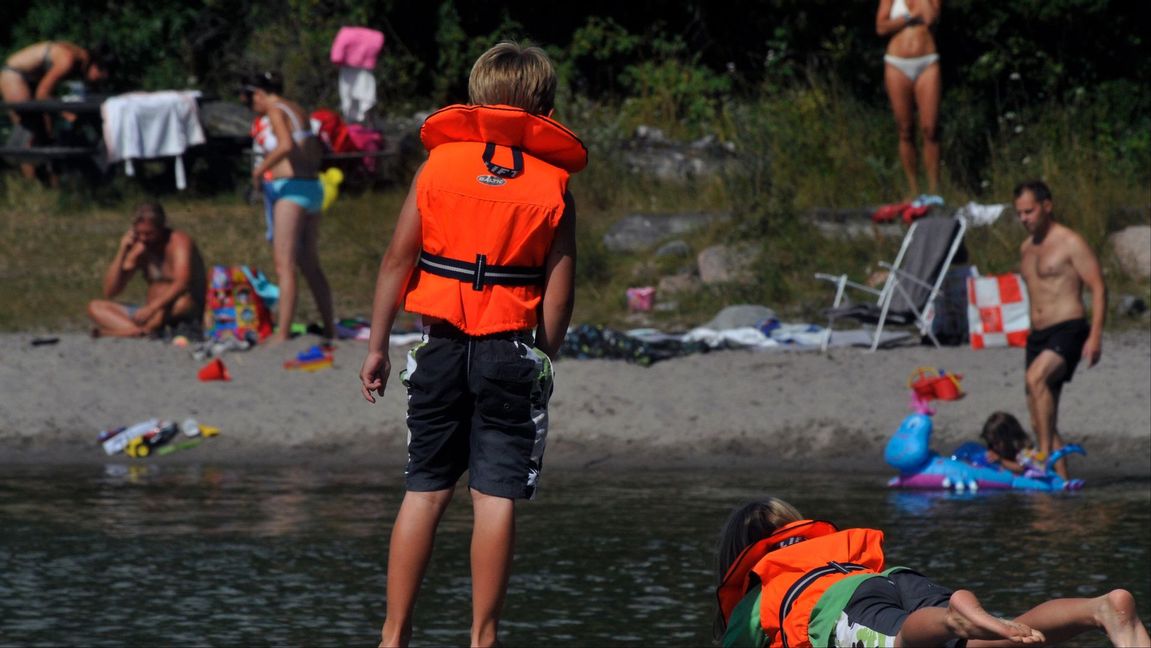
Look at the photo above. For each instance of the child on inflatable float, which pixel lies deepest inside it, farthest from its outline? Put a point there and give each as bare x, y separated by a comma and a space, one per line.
793, 582
1006, 462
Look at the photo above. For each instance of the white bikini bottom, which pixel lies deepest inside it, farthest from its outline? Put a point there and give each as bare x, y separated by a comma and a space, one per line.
911, 67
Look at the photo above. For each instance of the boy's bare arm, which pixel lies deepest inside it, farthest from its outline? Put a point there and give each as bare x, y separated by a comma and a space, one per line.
559, 284
395, 271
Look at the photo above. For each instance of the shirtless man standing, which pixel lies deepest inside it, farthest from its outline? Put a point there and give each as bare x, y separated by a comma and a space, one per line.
1056, 264
173, 268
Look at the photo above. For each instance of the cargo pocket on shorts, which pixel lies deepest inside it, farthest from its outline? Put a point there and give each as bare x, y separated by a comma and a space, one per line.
505, 394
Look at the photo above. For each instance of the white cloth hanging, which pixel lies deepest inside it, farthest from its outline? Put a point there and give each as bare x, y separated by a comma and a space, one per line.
148, 125
357, 93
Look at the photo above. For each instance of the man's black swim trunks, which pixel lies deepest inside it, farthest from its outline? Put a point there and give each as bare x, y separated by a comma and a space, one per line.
1065, 338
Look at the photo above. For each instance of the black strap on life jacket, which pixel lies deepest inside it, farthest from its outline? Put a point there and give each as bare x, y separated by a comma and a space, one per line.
501, 171
805, 581
481, 273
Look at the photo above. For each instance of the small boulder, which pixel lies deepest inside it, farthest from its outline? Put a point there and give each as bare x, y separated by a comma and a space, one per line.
678, 283
727, 264
640, 232
676, 248
740, 315
1132, 246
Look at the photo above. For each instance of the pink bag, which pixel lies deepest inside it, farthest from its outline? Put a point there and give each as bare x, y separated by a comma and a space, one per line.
367, 140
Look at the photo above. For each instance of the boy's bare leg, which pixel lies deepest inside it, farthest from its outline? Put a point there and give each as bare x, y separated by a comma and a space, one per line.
1061, 619
493, 543
409, 550
964, 618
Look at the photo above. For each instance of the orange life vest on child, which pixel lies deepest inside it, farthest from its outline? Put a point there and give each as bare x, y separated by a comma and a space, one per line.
491, 196
794, 567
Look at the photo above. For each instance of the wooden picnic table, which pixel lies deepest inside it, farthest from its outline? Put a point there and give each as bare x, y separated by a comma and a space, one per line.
86, 110
87, 143
91, 105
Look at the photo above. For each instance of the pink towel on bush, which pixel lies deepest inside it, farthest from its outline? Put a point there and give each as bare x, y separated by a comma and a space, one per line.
357, 47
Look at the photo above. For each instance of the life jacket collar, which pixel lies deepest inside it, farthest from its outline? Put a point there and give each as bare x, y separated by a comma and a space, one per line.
538, 136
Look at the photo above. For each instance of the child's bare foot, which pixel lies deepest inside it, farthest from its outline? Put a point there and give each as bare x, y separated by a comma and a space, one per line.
1116, 616
968, 620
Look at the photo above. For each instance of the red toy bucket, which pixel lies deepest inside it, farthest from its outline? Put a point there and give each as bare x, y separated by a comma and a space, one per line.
922, 382
946, 387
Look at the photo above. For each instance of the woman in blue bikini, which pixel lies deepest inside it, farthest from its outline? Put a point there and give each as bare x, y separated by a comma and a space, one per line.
911, 76
292, 155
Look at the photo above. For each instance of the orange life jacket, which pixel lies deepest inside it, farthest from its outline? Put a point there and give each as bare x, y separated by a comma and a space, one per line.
491, 196
794, 567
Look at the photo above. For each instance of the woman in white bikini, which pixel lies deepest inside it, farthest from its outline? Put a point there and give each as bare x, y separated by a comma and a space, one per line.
292, 155
911, 76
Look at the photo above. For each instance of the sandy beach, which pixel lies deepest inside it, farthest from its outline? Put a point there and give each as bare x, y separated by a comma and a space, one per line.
775, 408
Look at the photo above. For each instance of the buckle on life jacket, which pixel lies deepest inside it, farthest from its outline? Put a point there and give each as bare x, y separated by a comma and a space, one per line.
481, 273
502, 171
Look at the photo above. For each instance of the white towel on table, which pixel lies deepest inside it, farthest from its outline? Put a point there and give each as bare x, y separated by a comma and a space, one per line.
146, 125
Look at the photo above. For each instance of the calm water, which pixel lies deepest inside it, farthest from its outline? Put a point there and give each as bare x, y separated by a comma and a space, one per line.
295, 556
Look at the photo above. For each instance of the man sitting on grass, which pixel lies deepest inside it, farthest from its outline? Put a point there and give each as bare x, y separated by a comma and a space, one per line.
175, 273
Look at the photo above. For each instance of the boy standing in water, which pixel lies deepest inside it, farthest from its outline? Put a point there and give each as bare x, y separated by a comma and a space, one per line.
484, 250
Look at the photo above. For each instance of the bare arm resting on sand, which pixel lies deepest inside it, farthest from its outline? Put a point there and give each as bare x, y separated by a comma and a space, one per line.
559, 284
395, 271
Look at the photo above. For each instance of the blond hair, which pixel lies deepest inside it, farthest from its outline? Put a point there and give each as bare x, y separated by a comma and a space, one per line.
512, 75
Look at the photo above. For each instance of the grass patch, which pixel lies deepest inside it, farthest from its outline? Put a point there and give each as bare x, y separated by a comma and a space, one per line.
795, 149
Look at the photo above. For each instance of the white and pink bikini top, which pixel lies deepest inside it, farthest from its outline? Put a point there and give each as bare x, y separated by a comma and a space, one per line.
899, 9
264, 138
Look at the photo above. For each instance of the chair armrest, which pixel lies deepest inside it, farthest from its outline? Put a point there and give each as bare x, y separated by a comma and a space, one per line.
912, 278
847, 282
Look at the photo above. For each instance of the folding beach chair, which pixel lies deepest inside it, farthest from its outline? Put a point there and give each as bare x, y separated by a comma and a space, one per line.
913, 281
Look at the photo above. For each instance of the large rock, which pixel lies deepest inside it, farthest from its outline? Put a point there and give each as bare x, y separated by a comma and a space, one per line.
225, 119
640, 232
1132, 246
740, 315
652, 153
727, 264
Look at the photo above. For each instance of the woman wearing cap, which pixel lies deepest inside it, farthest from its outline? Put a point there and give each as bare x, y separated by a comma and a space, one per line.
911, 76
292, 155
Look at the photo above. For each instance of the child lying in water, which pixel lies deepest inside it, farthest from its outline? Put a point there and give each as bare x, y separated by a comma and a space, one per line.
789, 581
1010, 447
